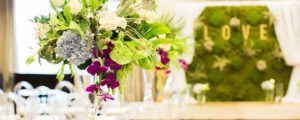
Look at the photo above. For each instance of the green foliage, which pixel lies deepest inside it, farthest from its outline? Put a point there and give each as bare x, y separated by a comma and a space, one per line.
240, 80
121, 53
30, 60
154, 29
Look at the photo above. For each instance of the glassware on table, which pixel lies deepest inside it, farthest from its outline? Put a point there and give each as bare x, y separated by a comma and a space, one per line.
148, 77
269, 95
279, 92
201, 98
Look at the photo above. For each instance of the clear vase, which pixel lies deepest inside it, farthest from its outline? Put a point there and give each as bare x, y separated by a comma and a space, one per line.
269, 95
148, 77
91, 100
167, 90
201, 98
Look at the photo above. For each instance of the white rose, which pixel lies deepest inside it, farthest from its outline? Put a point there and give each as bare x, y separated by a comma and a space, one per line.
58, 3
75, 6
235, 22
41, 30
110, 21
261, 65
208, 45
148, 15
268, 85
122, 22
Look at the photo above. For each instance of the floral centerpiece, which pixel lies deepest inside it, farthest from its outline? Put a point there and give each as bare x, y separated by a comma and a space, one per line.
268, 86
85, 34
199, 91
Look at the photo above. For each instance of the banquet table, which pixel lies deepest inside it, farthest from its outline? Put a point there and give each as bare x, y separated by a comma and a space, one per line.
212, 110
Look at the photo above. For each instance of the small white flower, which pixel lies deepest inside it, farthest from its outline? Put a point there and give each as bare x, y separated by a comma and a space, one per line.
268, 85
147, 15
261, 65
41, 30
235, 22
208, 45
58, 3
75, 6
200, 88
110, 21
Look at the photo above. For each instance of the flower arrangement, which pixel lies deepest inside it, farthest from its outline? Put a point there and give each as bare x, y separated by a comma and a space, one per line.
199, 92
200, 88
86, 35
268, 84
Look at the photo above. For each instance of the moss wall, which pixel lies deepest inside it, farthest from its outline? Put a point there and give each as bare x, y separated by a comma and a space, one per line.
231, 66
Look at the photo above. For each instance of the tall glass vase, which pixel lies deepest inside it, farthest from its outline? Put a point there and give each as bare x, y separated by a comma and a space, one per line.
269, 95
148, 77
92, 103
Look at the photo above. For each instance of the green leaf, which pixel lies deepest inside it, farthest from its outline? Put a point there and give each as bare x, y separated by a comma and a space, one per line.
85, 65
154, 29
60, 74
121, 53
75, 26
146, 63
30, 60
139, 49
84, 24
56, 11
67, 12
157, 42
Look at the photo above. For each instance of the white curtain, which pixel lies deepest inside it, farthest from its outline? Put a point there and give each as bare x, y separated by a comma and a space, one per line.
287, 28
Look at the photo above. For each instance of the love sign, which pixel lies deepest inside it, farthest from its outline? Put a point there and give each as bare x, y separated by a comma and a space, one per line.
226, 32
235, 50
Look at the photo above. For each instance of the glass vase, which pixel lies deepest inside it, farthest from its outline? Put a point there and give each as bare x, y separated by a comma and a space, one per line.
269, 95
148, 77
201, 98
91, 101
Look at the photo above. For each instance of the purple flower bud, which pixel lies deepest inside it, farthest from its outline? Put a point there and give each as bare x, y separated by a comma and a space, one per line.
95, 53
110, 81
96, 68
112, 64
92, 88
104, 97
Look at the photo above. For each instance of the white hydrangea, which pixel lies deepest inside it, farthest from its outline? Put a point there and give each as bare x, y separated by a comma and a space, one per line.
200, 88
71, 47
75, 6
147, 15
235, 22
41, 30
58, 3
268, 85
261, 65
110, 21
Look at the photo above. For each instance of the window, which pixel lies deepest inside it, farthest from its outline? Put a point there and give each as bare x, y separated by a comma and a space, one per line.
25, 41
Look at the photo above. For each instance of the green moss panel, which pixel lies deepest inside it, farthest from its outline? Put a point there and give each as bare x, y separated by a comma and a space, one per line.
230, 67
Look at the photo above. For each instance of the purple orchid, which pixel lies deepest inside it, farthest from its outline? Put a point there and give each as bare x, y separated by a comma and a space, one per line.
112, 64
96, 68
106, 52
96, 53
104, 97
110, 81
163, 56
183, 64
92, 88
